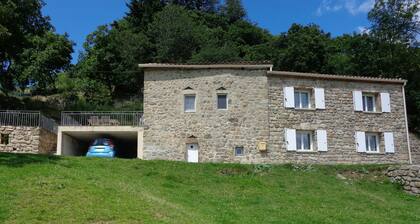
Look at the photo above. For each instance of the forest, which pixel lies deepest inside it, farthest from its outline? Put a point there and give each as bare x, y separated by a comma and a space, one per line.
36, 70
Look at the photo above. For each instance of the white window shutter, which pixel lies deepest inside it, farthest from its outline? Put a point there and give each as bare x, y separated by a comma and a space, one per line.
389, 142
289, 97
358, 100
360, 141
321, 138
385, 102
319, 98
290, 136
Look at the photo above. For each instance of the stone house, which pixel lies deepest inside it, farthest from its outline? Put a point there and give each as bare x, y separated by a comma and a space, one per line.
27, 132
248, 113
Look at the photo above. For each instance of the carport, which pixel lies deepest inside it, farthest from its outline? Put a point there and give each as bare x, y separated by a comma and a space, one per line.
78, 130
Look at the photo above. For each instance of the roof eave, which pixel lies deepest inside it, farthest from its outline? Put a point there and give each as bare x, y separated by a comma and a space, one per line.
203, 66
338, 77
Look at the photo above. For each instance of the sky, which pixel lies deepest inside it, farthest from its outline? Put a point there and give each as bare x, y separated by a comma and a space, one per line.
78, 18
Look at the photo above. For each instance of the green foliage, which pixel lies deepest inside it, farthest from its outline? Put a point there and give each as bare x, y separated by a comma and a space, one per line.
30, 51
304, 49
33, 187
233, 10
396, 21
174, 27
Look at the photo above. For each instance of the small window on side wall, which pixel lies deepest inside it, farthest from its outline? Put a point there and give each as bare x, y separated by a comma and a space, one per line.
4, 139
222, 101
239, 151
189, 103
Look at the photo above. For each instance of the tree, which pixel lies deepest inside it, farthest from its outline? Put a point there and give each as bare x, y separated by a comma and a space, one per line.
141, 12
234, 10
28, 38
395, 21
177, 36
303, 49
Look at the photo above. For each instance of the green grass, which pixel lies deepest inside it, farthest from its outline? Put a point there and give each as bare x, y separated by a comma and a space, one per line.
42, 189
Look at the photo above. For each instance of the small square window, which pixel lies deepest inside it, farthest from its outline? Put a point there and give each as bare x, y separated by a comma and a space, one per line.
239, 151
369, 102
372, 142
303, 141
4, 139
302, 99
222, 101
189, 103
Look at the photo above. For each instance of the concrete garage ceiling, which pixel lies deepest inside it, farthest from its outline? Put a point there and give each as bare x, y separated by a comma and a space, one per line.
90, 135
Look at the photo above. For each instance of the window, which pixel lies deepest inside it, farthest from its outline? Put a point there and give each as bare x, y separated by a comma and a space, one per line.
303, 140
222, 101
4, 139
369, 103
372, 142
189, 103
302, 99
239, 151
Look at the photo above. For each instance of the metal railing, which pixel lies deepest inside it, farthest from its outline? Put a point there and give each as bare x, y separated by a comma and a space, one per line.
106, 118
27, 119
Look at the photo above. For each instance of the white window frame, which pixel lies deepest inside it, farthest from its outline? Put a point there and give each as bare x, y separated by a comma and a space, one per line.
195, 103
300, 91
239, 155
364, 101
227, 101
311, 142
367, 140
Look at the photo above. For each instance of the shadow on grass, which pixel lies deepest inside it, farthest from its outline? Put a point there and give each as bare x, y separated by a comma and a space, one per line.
19, 160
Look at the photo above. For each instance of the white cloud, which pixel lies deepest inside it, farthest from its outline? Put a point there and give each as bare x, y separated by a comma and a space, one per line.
353, 7
362, 30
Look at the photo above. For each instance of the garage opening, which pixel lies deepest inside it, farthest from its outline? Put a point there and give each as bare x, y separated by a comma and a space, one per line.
82, 130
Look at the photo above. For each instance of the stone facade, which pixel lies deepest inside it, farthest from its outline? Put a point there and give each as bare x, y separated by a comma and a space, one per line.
339, 120
256, 115
415, 148
168, 127
407, 176
28, 140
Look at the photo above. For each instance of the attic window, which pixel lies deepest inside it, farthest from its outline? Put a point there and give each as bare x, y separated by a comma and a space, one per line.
188, 88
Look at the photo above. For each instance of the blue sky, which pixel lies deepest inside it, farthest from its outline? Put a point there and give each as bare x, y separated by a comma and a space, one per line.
80, 17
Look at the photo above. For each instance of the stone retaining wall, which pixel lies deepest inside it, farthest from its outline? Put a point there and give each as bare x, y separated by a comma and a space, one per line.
28, 140
408, 176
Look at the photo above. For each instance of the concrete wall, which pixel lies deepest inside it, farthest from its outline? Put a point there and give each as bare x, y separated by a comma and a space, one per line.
168, 127
75, 140
28, 140
339, 119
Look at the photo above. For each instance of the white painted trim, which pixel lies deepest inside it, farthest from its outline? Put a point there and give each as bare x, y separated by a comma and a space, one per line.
406, 127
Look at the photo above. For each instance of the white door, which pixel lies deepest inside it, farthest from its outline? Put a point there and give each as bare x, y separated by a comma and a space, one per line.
192, 153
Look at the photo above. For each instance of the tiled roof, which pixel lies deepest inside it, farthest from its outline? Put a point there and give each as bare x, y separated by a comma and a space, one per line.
338, 77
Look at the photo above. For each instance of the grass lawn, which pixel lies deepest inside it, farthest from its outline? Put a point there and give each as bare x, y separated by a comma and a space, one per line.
42, 189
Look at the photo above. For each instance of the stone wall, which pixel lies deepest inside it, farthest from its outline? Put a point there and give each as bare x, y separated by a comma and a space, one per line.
407, 176
47, 142
27, 140
256, 114
339, 120
415, 148
168, 127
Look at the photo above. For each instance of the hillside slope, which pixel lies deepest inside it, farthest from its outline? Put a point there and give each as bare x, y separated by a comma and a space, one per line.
39, 189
